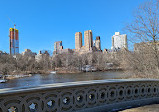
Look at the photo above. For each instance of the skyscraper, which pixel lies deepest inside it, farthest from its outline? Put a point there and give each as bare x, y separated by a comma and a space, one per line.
119, 41
89, 44
78, 40
97, 43
14, 41
88, 40
58, 47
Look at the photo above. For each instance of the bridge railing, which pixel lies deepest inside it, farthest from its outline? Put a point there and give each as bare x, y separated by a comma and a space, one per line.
97, 95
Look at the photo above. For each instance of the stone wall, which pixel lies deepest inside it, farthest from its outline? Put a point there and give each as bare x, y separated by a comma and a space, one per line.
97, 95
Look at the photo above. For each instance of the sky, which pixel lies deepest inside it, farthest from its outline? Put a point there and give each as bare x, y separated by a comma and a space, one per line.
42, 22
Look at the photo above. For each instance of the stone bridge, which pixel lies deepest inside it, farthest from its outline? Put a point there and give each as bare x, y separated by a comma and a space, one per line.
82, 96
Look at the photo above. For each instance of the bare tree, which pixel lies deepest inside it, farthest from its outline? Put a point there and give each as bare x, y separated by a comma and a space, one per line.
144, 29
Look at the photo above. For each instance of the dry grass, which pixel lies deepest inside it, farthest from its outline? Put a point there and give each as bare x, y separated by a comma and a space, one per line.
131, 74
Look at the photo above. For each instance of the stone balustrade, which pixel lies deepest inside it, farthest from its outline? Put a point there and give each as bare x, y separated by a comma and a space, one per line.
97, 95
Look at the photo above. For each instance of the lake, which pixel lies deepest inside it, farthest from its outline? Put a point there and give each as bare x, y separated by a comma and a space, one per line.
39, 79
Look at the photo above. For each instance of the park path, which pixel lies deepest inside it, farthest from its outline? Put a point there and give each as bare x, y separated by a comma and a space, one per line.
148, 108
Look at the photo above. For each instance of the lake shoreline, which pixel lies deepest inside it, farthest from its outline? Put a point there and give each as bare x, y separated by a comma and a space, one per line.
65, 71
30, 74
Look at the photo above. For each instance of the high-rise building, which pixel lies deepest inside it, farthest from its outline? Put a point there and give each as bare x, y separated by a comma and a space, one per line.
11, 35
89, 44
119, 41
88, 40
78, 40
97, 43
145, 45
41, 55
28, 52
58, 47
14, 41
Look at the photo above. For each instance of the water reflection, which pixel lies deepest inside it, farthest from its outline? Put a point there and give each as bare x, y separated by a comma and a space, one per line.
38, 79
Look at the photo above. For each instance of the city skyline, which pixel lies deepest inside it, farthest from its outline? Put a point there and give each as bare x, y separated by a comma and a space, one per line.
119, 42
40, 27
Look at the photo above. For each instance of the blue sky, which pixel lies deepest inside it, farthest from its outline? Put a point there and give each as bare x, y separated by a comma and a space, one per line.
42, 22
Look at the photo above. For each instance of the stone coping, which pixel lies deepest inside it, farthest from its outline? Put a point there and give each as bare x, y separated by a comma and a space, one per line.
7, 91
